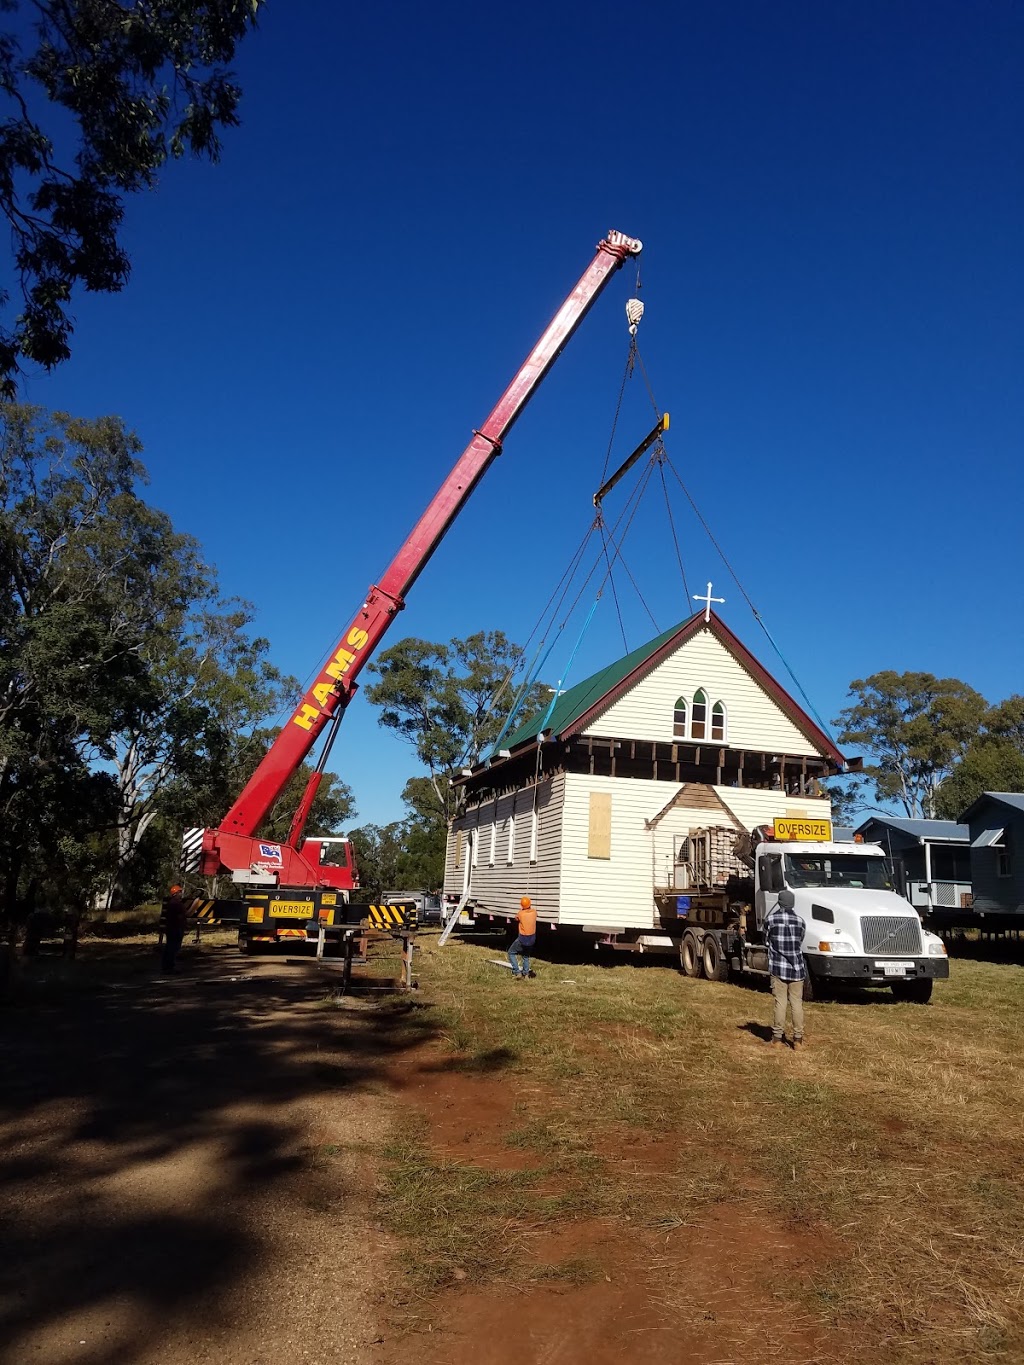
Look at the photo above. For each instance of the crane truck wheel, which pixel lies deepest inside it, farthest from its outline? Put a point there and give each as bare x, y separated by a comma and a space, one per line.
713, 960
690, 956
917, 992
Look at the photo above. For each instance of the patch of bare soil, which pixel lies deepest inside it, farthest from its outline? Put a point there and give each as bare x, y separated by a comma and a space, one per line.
184, 1170
469, 1114
607, 1291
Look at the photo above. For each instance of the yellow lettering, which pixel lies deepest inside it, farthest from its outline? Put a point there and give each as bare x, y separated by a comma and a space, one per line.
339, 663
305, 716
357, 638
322, 691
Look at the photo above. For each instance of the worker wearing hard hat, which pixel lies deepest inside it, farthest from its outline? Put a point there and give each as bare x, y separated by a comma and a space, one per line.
527, 937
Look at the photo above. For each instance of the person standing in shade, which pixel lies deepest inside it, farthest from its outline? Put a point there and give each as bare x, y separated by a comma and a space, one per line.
175, 917
527, 937
784, 935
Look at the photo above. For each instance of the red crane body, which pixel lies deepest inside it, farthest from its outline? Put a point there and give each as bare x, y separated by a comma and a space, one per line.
233, 847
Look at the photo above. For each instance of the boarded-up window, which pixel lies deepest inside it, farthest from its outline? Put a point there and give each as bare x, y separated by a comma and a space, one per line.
533, 836
511, 825
458, 848
599, 833
494, 840
474, 843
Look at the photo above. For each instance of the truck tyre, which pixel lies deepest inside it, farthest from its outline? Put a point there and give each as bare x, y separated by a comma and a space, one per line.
812, 989
690, 956
917, 992
713, 960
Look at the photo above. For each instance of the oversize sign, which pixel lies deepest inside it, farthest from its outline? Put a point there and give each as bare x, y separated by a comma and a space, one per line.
791, 830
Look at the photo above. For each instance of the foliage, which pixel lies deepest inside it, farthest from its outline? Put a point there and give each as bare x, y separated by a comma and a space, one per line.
915, 727
378, 850
99, 96
81, 564
847, 797
131, 696
449, 701
407, 854
207, 685
994, 761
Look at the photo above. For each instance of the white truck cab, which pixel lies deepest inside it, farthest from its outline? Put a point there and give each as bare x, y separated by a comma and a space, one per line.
858, 930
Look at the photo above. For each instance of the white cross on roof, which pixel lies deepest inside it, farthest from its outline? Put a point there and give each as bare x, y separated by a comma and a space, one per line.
707, 599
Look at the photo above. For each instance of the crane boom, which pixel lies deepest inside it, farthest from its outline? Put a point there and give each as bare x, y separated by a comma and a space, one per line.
335, 684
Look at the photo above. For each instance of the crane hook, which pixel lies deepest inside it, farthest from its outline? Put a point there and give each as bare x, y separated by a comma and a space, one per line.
634, 312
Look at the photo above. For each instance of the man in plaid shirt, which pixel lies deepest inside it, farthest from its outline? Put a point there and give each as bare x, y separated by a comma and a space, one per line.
784, 935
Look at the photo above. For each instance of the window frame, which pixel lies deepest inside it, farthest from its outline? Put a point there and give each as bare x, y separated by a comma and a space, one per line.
723, 738
680, 732
706, 704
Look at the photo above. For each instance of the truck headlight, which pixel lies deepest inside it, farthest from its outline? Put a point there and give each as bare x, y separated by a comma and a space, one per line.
836, 945
937, 949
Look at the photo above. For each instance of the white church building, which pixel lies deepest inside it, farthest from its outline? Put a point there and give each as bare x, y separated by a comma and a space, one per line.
644, 769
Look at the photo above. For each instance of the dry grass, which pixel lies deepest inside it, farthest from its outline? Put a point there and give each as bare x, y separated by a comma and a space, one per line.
895, 1137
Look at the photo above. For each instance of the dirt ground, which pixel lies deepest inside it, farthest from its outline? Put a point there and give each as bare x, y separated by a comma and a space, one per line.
186, 1170
189, 1172
699, 1292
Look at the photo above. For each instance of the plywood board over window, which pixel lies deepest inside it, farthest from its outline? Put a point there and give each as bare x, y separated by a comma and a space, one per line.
599, 833
458, 848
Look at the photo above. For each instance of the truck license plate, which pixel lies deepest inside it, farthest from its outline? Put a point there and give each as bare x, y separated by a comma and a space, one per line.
894, 968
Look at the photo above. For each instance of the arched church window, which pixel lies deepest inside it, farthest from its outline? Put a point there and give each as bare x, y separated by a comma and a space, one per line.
718, 721
679, 719
699, 717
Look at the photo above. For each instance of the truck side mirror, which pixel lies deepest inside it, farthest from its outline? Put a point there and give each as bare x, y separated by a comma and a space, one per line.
770, 871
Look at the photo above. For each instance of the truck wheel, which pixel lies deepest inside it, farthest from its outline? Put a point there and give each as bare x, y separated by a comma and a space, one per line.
812, 989
690, 957
917, 992
716, 968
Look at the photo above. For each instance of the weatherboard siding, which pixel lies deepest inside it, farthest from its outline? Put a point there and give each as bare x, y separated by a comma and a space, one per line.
496, 888
753, 807
617, 891
754, 720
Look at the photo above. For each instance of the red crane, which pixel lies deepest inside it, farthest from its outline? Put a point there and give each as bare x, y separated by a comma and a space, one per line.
298, 865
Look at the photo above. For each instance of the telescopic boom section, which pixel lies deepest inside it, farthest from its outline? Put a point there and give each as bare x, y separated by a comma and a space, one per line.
336, 683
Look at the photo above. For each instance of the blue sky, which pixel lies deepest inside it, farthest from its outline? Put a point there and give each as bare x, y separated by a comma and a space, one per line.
831, 203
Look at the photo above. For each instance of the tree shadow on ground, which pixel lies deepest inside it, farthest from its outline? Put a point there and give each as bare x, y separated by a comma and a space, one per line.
143, 1132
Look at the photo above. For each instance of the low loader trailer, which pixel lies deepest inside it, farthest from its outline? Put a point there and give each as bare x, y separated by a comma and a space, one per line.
858, 931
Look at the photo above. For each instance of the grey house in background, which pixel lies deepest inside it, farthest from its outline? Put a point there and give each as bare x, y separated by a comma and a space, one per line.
996, 823
931, 858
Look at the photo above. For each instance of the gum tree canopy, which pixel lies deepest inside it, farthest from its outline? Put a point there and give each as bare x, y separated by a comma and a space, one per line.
98, 95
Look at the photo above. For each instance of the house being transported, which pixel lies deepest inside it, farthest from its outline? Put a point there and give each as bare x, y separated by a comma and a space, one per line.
639, 782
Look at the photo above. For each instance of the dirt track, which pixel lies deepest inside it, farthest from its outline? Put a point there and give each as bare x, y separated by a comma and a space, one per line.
183, 1174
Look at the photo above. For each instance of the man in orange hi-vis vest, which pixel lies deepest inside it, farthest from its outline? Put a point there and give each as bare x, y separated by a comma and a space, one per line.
527, 918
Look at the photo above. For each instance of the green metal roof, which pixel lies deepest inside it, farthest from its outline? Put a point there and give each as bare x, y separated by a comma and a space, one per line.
576, 700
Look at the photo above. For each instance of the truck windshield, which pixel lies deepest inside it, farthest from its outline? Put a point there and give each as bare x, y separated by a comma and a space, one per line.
837, 869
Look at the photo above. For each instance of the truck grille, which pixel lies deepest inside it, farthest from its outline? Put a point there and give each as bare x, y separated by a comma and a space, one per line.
893, 935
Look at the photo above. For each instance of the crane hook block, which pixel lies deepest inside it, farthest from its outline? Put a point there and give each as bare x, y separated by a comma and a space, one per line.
634, 312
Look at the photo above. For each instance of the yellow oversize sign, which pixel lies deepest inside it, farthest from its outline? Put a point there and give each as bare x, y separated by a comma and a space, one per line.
291, 909
803, 831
